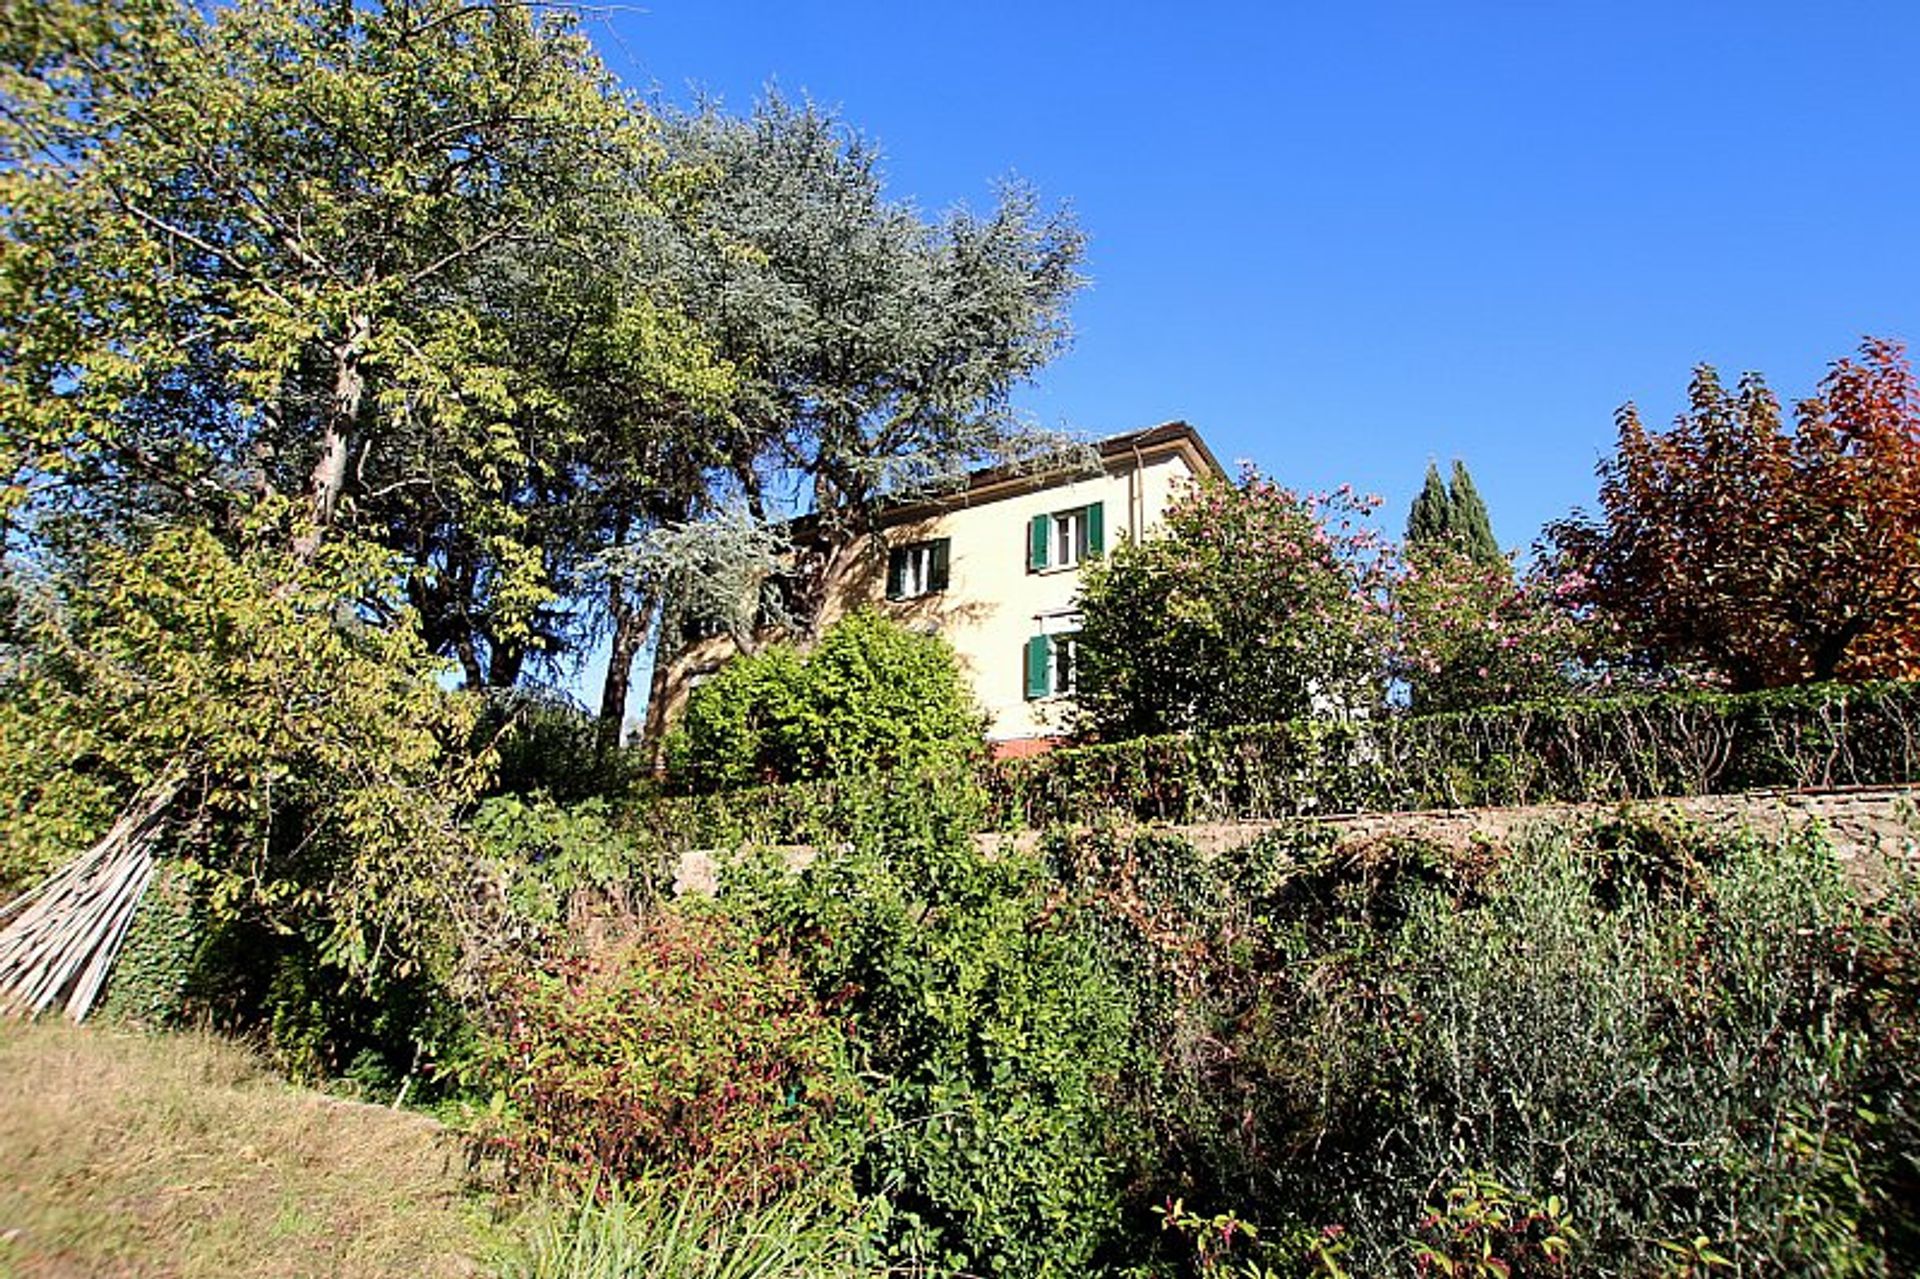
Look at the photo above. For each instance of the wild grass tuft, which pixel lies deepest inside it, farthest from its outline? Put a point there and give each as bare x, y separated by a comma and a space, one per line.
667, 1231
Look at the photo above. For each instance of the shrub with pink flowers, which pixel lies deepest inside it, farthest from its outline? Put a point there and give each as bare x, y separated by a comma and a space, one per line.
1470, 634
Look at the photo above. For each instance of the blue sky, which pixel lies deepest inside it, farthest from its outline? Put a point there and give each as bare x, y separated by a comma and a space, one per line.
1344, 238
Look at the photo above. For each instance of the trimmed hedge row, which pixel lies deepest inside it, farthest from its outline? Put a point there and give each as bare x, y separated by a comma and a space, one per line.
1626, 748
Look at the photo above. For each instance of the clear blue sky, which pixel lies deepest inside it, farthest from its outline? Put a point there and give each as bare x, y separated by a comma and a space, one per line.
1342, 238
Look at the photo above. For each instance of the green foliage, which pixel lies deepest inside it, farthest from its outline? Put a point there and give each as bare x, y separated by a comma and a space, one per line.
994, 1028
1225, 1247
871, 696
51, 810
1451, 518
1470, 512
1486, 1231
879, 696
1429, 516
1604, 1040
672, 1230
548, 745
546, 855
1641, 746
1249, 605
153, 978
735, 729
313, 744
691, 1046
1638, 747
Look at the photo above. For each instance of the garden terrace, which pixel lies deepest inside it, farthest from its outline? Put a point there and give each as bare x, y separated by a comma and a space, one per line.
1643, 747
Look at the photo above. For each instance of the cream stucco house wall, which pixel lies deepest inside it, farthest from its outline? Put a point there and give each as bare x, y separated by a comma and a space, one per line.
995, 570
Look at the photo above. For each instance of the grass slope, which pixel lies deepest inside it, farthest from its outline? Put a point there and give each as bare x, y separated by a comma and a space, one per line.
134, 1155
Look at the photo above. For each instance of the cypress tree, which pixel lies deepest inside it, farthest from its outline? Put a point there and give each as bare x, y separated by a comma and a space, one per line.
1470, 522
1452, 515
1431, 519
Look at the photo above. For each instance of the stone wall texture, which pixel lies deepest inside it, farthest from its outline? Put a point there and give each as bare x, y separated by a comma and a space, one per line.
1875, 830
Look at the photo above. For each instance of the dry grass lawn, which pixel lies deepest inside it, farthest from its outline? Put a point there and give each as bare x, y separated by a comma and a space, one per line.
133, 1155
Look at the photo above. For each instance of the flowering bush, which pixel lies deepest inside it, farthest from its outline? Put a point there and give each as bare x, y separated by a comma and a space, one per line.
1467, 634
1251, 605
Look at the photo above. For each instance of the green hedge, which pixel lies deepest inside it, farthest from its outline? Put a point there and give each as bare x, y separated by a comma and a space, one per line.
1625, 748
1628, 748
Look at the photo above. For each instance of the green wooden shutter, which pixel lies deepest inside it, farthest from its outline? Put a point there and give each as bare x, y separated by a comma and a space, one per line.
938, 574
1096, 529
1037, 667
896, 571
1039, 528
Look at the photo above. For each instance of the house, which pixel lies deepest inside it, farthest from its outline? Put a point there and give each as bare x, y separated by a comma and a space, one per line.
994, 568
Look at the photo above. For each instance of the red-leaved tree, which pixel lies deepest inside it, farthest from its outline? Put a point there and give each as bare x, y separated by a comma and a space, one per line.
1764, 554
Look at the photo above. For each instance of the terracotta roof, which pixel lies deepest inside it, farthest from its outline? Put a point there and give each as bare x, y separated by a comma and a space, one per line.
1113, 446
1116, 445
1025, 476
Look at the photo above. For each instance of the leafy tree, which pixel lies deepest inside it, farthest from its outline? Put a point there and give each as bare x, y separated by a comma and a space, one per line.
1431, 515
353, 253
320, 761
871, 695
1251, 604
877, 350
421, 265
1766, 555
1453, 515
1470, 513
857, 351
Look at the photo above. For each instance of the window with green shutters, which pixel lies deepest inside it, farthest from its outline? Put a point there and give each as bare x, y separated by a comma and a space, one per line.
1050, 664
921, 568
1062, 539
1039, 653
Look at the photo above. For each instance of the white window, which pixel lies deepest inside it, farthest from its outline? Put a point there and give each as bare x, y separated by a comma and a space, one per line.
1069, 538
918, 569
1063, 539
1063, 650
1052, 656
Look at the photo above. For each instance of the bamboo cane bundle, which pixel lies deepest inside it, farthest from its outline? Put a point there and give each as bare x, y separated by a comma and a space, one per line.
61, 937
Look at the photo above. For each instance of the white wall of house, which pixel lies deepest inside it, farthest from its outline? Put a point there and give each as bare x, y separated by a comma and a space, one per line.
995, 601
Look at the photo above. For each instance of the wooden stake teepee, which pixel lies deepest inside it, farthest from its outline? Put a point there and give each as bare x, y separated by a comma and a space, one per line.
59, 940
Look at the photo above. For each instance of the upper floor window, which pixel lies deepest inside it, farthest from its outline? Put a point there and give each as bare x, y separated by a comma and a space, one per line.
917, 569
1064, 538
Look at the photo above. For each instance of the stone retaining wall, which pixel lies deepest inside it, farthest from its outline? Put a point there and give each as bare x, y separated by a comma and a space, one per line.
1874, 829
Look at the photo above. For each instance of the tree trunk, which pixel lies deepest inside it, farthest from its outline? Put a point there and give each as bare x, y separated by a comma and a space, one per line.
470, 661
1831, 649
504, 664
653, 733
632, 614
330, 472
